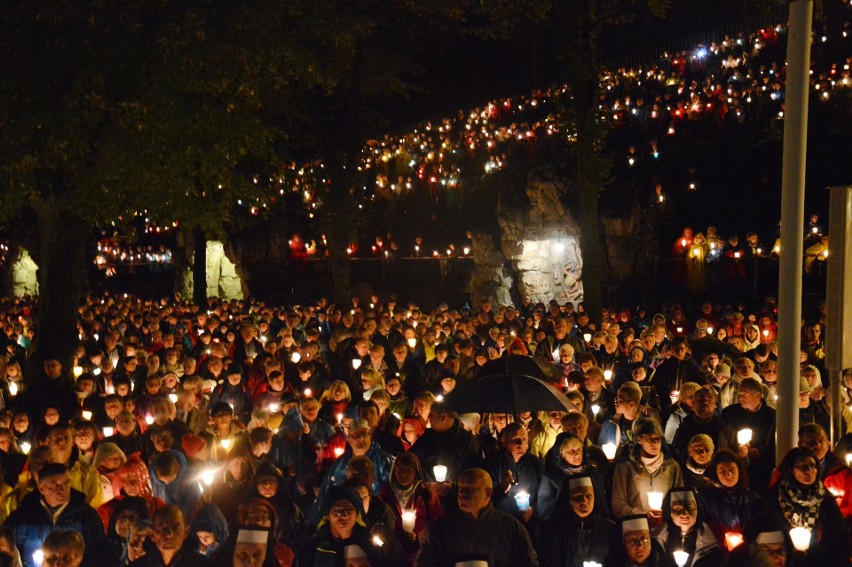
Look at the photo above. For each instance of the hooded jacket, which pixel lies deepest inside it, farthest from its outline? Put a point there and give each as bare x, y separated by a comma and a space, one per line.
183, 492
556, 472
209, 519
632, 481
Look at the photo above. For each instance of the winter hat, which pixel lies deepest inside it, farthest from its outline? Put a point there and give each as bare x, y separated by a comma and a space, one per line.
192, 444
647, 426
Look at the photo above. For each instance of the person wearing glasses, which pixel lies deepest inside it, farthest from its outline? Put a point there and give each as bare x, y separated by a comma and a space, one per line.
342, 537
646, 469
637, 547
52, 506
729, 505
801, 500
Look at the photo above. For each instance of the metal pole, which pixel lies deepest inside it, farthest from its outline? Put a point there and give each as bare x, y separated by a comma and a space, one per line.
792, 225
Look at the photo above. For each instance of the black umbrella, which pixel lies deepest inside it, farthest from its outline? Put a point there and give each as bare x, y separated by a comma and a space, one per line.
520, 364
507, 393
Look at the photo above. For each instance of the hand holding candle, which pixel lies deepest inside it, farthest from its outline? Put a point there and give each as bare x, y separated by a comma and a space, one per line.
440, 472
409, 517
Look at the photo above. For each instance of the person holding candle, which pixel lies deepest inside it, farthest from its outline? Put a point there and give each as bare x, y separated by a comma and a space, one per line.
618, 430
752, 413
646, 469
595, 393
414, 504
697, 465
83, 476
802, 501
446, 443
703, 420
131, 480
108, 460
836, 475
476, 530
579, 529
683, 529
669, 377
729, 506
234, 392
516, 474
341, 537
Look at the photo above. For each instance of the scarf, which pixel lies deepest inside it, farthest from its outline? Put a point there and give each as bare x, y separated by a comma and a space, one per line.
653, 464
695, 467
800, 504
404, 495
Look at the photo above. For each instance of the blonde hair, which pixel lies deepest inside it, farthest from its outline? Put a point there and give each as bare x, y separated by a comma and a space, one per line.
334, 388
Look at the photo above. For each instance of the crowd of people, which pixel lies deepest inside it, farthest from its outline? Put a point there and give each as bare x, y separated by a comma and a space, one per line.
242, 433
731, 88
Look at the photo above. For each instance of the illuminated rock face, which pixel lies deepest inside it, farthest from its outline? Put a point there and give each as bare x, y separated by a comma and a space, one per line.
542, 246
223, 281
24, 275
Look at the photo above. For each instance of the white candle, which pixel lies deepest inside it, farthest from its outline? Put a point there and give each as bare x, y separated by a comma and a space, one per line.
308, 392
555, 355
356, 363
440, 472
655, 500
38, 557
801, 538
295, 357
25, 448
273, 407
744, 436
680, 557
588, 338
173, 398
522, 499
607, 375
412, 343
609, 450
848, 459
96, 371
108, 431
78, 371
226, 444
338, 451
408, 519
595, 409
591, 564
149, 419
87, 415
339, 418
13, 389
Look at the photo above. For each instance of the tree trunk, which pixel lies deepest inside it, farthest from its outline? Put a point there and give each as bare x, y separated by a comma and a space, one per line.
199, 268
341, 271
62, 283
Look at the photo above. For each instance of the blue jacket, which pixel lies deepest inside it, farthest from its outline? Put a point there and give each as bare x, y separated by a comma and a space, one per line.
31, 523
183, 492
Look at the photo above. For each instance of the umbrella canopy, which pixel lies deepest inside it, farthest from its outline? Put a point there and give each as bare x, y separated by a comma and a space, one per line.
520, 364
705, 345
507, 393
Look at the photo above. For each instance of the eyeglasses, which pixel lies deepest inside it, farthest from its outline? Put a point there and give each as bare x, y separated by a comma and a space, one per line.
652, 439
701, 450
636, 541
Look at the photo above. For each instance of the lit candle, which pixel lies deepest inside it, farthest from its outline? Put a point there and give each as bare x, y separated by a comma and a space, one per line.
356, 363
609, 450
173, 398
679, 329
607, 374
412, 342
440, 472
595, 409
765, 333
591, 564
683, 241
149, 419
408, 519
273, 407
377, 541
709, 330
338, 451
439, 398
96, 371
207, 476
339, 419
226, 444
655, 500
108, 431
744, 436
680, 557
837, 492
38, 557
308, 393
801, 538
87, 415
25, 448
587, 337
295, 357
78, 371
522, 499
848, 459
732, 540
13, 389
555, 354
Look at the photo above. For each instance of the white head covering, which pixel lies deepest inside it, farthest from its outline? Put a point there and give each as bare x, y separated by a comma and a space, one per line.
770, 537
636, 524
579, 482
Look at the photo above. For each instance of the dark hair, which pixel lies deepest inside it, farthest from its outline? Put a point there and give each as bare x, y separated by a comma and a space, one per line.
785, 467
52, 469
259, 435
166, 464
728, 456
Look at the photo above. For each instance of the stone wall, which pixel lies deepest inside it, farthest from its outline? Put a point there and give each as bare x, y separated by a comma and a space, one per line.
24, 275
223, 279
